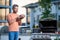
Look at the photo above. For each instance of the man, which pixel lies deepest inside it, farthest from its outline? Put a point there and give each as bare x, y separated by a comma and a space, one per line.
14, 20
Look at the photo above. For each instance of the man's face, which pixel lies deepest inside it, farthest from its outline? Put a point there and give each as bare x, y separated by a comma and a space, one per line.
15, 9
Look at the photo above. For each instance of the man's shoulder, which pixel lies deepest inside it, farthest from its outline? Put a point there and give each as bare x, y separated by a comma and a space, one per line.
9, 14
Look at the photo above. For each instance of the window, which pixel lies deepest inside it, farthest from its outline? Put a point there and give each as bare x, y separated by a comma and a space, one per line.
3, 13
5, 8
4, 2
7, 2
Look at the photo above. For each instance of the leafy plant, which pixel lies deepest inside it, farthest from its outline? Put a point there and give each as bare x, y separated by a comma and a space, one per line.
46, 6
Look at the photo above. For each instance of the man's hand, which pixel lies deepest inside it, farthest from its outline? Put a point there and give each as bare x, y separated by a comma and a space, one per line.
20, 17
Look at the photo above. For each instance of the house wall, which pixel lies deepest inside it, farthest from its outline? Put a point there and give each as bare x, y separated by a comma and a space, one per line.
37, 11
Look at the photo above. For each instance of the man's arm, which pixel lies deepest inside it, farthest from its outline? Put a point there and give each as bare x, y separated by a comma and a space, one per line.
10, 20
19, 23
19, 18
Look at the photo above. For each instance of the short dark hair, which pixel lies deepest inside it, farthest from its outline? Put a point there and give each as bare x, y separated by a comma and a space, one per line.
15, 5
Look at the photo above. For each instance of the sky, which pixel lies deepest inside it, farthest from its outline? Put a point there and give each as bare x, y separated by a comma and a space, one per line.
22, 3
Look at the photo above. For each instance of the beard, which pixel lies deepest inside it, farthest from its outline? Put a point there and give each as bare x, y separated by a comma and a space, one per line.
15, 11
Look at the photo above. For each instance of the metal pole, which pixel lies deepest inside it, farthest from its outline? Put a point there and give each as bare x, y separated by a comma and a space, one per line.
10, 3
57, 15
27, 17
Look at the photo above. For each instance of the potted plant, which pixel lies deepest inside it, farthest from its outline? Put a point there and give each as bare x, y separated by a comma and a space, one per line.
36, 29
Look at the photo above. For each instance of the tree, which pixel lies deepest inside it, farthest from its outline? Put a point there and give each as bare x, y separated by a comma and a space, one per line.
46, 6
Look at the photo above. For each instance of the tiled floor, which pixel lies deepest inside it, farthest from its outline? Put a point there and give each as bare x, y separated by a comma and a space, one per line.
5, 37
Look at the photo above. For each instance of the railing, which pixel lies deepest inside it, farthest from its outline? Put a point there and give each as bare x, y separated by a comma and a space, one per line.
45, 36
55, 0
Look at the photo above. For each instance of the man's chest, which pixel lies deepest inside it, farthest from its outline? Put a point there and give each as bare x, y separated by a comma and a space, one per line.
13, 16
